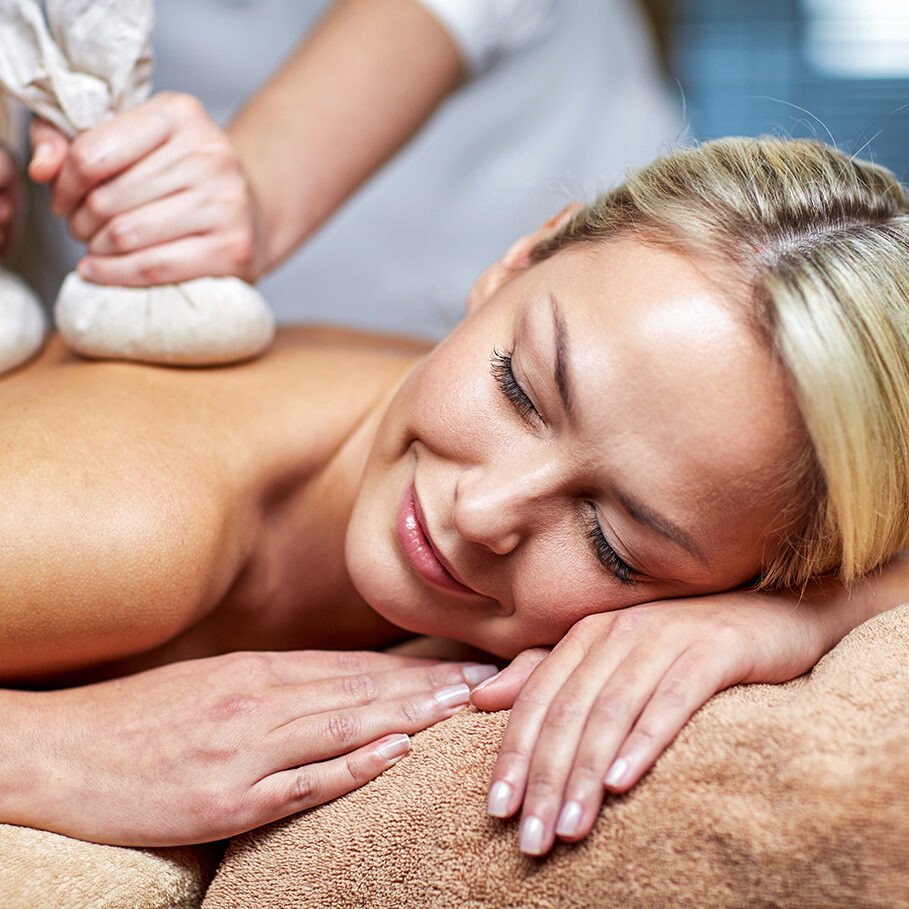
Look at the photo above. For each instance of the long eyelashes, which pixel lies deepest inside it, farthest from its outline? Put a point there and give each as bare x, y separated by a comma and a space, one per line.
502, 372
608, 557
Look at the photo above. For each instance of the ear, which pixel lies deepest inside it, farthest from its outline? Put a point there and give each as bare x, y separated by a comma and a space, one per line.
517, 258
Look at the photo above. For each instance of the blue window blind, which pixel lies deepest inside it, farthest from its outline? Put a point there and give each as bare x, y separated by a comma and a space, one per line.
797, 68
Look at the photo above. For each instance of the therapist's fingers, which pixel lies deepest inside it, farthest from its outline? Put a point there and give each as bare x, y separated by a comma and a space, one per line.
167, 220
49, 150
158, 176
207, 166
170, 263
109, 148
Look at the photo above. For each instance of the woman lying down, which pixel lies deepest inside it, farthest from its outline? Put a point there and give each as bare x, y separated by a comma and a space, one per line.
671, 431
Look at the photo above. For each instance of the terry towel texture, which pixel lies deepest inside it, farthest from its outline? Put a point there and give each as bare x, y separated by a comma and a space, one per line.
41, 870
792, 795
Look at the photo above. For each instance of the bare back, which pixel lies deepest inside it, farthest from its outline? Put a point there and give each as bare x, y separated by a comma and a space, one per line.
156, 514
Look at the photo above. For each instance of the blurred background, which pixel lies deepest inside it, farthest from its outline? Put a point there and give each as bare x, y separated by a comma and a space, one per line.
836, 70
745, 67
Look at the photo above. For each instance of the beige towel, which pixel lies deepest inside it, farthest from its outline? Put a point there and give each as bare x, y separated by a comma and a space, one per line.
794, 795
40, 870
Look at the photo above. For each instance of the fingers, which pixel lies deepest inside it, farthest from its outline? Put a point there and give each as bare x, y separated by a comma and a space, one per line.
581, 707
566, 781
607, 740
686, 686
100, 153
500, 691
296, 667
290, 791
49, 150
337, 731
174, 217
169, 263
509, 776
156, 177
207, 166
362, 688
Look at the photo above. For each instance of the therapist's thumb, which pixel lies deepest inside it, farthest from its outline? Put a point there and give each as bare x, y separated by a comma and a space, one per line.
49, 150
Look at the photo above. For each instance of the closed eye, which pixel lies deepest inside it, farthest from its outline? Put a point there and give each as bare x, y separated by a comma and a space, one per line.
605, 554
505, 378
514, 394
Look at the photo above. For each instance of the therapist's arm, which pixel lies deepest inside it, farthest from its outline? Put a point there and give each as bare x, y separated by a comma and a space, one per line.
354, 92
161, 194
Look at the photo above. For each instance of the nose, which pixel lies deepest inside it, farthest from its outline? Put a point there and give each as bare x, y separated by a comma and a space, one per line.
497, 505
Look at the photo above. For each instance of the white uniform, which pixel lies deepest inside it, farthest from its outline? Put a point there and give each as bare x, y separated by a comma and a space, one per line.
564, 95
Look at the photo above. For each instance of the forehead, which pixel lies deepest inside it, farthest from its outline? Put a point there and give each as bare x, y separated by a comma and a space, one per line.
672, 392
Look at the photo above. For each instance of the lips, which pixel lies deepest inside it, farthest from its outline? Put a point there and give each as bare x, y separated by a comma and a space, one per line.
418, 547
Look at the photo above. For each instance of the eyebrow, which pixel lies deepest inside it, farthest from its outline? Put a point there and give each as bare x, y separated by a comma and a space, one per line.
644, 515
562, 381
637, 510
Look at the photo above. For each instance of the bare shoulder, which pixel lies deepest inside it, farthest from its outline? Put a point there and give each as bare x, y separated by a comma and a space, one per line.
131, 494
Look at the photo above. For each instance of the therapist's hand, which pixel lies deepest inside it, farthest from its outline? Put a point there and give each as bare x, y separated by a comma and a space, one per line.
157, 193
595, 712
11, 201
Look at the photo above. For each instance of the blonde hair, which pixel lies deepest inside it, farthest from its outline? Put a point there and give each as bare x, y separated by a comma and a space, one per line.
820, 243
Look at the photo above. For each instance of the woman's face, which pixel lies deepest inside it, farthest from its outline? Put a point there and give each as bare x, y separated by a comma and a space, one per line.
603, 431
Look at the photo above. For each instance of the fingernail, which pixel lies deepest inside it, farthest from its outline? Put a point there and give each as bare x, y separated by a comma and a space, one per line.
42, 150
483, 684
479, 672
394, 746
499, 799
616, 772
532, 835
569, 818
85, 270
452, 695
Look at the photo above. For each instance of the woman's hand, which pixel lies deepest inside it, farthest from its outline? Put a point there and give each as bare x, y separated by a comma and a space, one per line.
598, 710
11, 201
206, 749
158, 193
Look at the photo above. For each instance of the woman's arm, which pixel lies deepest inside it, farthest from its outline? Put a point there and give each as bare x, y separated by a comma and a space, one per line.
160, 193
599, 708
206, 749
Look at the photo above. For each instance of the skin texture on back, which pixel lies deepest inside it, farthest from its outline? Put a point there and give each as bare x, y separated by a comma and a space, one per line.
180, 527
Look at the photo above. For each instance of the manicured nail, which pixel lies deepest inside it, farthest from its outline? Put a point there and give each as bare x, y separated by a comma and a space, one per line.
532, 835
483, 684
452, 695
569, 818
42, 150
499, 799
479, 672
616, 772
394, 746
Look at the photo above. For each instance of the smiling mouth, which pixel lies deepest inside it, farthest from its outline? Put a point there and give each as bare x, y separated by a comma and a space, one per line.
418, 547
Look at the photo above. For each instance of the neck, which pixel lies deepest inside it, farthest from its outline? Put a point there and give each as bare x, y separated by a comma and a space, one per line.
297, 580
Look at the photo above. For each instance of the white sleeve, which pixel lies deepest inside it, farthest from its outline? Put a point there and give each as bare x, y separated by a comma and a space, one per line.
485, 30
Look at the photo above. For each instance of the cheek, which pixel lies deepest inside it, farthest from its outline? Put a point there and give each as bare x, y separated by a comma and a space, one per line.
451, 406
549, 603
